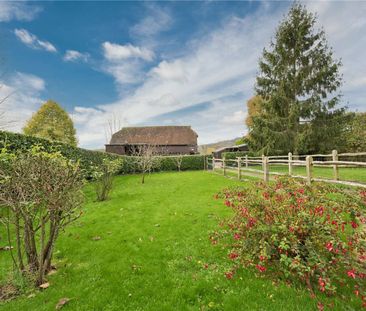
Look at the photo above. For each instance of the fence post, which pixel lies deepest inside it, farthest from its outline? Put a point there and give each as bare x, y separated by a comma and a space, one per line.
335, 166
213, 163
309, 169
239, 168
246, 161
263, 162
265, 165
290, 163
224, 166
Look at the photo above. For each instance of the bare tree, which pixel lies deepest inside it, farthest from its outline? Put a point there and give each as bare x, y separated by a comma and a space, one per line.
178, 160
4, 122
147, 157
113, 124
41, 194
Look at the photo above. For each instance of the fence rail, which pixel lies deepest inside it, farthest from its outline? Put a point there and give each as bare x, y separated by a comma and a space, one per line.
240, 165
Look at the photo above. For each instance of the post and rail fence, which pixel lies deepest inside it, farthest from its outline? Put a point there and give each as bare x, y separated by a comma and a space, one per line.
256, 166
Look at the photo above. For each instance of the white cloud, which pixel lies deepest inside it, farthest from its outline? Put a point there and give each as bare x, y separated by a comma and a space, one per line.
75, 56
156, 21
235, 118
33, 42
170, 70
220, 67
116, 52
23, 93
20, 11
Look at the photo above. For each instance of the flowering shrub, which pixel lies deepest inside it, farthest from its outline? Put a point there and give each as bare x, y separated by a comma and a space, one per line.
315, 234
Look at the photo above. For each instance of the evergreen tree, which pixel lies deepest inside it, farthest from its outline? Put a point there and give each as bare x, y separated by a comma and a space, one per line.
298, 82
53, 123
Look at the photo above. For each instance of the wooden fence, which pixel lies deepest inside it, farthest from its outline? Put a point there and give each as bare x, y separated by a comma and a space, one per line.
261, 165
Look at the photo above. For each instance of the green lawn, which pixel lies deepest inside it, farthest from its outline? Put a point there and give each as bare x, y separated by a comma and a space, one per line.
154, 241
356, 174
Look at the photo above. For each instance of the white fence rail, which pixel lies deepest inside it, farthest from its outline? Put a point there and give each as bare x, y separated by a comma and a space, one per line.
241, 165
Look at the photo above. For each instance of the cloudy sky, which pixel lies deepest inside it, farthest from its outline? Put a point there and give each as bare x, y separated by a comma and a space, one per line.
156, 63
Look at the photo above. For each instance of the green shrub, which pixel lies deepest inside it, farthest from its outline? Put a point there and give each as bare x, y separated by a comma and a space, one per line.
89, 159
103, 175
312, 234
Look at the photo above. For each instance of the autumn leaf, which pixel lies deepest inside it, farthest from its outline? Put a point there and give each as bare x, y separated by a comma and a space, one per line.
61, 303
44, 285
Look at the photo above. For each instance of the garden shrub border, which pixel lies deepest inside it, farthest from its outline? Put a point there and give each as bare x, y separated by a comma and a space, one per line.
89, 159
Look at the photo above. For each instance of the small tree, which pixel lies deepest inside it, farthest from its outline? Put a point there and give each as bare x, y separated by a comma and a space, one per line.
41, 193
104, 174
178, 159
147, 158
53, 123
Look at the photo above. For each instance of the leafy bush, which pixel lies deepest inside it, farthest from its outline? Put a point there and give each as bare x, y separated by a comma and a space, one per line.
313, 234
87, 159
103, 175
40, 194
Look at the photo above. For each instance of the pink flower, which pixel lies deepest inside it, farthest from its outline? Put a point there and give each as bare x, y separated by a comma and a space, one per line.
329, 246
351, 274
237, 236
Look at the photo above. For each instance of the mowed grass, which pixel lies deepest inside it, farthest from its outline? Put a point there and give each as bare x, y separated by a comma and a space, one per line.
154, 242
356, 174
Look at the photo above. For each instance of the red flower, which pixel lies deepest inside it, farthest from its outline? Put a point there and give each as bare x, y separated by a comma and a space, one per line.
351, 274
354, 224
227, 203
229, 275
266, 195
261, 268
233, 256
262, 258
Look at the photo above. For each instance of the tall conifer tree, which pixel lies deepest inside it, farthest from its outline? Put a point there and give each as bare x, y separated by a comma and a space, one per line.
298, 81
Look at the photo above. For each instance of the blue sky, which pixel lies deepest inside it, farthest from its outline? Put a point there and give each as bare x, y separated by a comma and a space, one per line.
156, 63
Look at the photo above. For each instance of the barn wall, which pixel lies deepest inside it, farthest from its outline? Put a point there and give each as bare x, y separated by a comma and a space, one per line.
117, 149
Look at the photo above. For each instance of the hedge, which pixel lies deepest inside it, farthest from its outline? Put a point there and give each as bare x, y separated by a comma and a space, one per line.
15, 142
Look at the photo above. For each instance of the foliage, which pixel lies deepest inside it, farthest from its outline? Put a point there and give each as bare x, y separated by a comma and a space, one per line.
254, 109
53, 123
289, 230
355, 134
103, 175
87, 159
41, 193
298, 82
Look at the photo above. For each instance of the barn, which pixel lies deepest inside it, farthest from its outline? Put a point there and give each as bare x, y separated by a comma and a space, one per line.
167, 140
